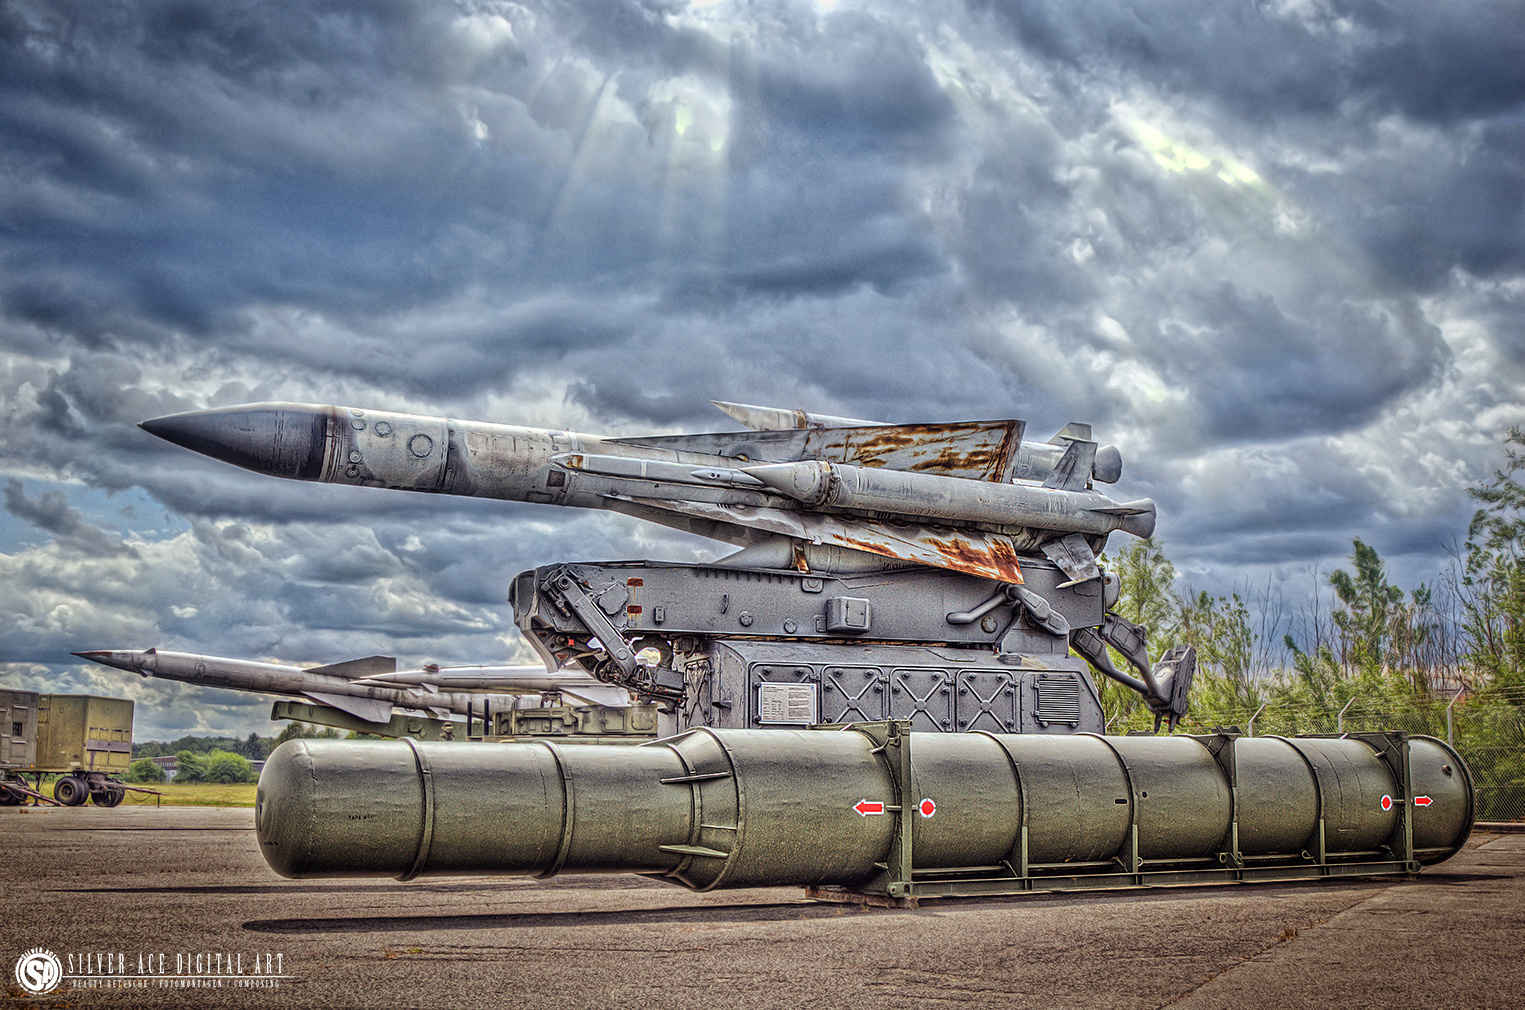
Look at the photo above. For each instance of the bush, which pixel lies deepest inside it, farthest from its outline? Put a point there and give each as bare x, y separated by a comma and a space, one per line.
144, 770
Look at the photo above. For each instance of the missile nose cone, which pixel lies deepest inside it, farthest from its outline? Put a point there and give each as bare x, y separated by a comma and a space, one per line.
806, 481
278, 439
132, 662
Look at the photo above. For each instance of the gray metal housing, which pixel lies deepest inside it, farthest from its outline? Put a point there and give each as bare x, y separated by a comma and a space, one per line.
769, 648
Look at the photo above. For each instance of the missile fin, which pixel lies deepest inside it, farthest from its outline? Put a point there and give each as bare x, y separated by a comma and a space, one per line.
975, 450
370, 709
1074, 557
987, 555
777, 418
1138, 516
1075, 431
605, 695
1073, 471
762, 418
356, 669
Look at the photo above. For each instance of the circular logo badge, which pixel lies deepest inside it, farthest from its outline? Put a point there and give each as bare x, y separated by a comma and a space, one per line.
38, 971
1387, 803
928, 808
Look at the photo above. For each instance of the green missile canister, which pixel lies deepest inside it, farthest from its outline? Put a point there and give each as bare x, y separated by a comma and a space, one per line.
872, 809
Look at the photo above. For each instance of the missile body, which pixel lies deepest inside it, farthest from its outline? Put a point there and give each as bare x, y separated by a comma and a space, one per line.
724, 486
576, 685
349, 687
716, 808
865, 489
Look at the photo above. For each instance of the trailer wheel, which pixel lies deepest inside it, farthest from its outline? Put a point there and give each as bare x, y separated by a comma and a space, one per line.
111, 796
9, 797
70, 791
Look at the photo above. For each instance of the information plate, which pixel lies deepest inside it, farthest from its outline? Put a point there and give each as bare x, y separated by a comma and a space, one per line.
788, 704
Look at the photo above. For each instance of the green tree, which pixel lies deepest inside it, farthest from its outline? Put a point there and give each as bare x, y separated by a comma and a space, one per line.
1146, 597
144, 770
190, 766
302, 731
224, 767
1494, 577
1146, 593
1219, 628
1368, 607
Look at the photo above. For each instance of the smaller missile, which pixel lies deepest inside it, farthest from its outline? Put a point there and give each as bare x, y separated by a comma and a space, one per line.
653, 469
898, 492
332, 686
575, 684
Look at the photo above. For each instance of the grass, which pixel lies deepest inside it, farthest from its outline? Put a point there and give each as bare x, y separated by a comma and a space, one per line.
195, 794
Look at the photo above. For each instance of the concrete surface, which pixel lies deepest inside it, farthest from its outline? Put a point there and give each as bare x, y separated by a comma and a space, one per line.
186, 881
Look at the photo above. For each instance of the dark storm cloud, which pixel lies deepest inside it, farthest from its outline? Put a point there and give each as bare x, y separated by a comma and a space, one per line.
1456, 68
1266, 60
1274, 250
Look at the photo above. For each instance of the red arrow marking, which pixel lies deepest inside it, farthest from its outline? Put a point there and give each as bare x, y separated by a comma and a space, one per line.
1387, 803
928, 808
1422, 801
866, 807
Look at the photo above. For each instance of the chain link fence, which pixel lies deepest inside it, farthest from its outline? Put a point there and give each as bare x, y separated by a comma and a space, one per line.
1491, 739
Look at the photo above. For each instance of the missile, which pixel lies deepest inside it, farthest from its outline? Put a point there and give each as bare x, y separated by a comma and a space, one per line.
359, 687
979, 502
864, 489
577, 685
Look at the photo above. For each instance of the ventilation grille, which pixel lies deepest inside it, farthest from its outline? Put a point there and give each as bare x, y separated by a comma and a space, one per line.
1058, 700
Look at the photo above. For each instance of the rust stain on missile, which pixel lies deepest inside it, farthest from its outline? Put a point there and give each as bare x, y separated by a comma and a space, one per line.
993, 559
974, 450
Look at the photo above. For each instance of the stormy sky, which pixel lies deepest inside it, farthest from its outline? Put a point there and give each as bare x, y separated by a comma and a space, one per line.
1275, 251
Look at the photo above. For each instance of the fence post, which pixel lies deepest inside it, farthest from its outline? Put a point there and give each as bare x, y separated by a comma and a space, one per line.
1251, 728
1339, 720
1450, 734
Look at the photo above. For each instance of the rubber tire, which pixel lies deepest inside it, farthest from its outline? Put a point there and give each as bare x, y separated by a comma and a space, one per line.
9, 798
70, 791
114, 795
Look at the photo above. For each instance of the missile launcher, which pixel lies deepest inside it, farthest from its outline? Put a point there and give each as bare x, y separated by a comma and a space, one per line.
881, 696
943, 574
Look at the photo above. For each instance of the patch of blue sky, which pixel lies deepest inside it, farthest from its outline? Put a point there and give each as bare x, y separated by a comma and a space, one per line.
124, 513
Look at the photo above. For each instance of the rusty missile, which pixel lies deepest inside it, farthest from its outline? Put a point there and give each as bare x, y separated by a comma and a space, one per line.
967, 496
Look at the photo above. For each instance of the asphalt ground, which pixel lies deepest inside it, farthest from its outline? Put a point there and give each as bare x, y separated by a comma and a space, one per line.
139, 883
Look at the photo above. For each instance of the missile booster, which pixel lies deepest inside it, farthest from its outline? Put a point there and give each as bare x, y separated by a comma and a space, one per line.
943, 573
870, 812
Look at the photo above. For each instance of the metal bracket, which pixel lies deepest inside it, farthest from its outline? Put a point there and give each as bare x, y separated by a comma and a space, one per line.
565, 590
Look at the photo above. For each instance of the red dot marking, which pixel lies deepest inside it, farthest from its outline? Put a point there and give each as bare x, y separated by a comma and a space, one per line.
1387, 803
928, 808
